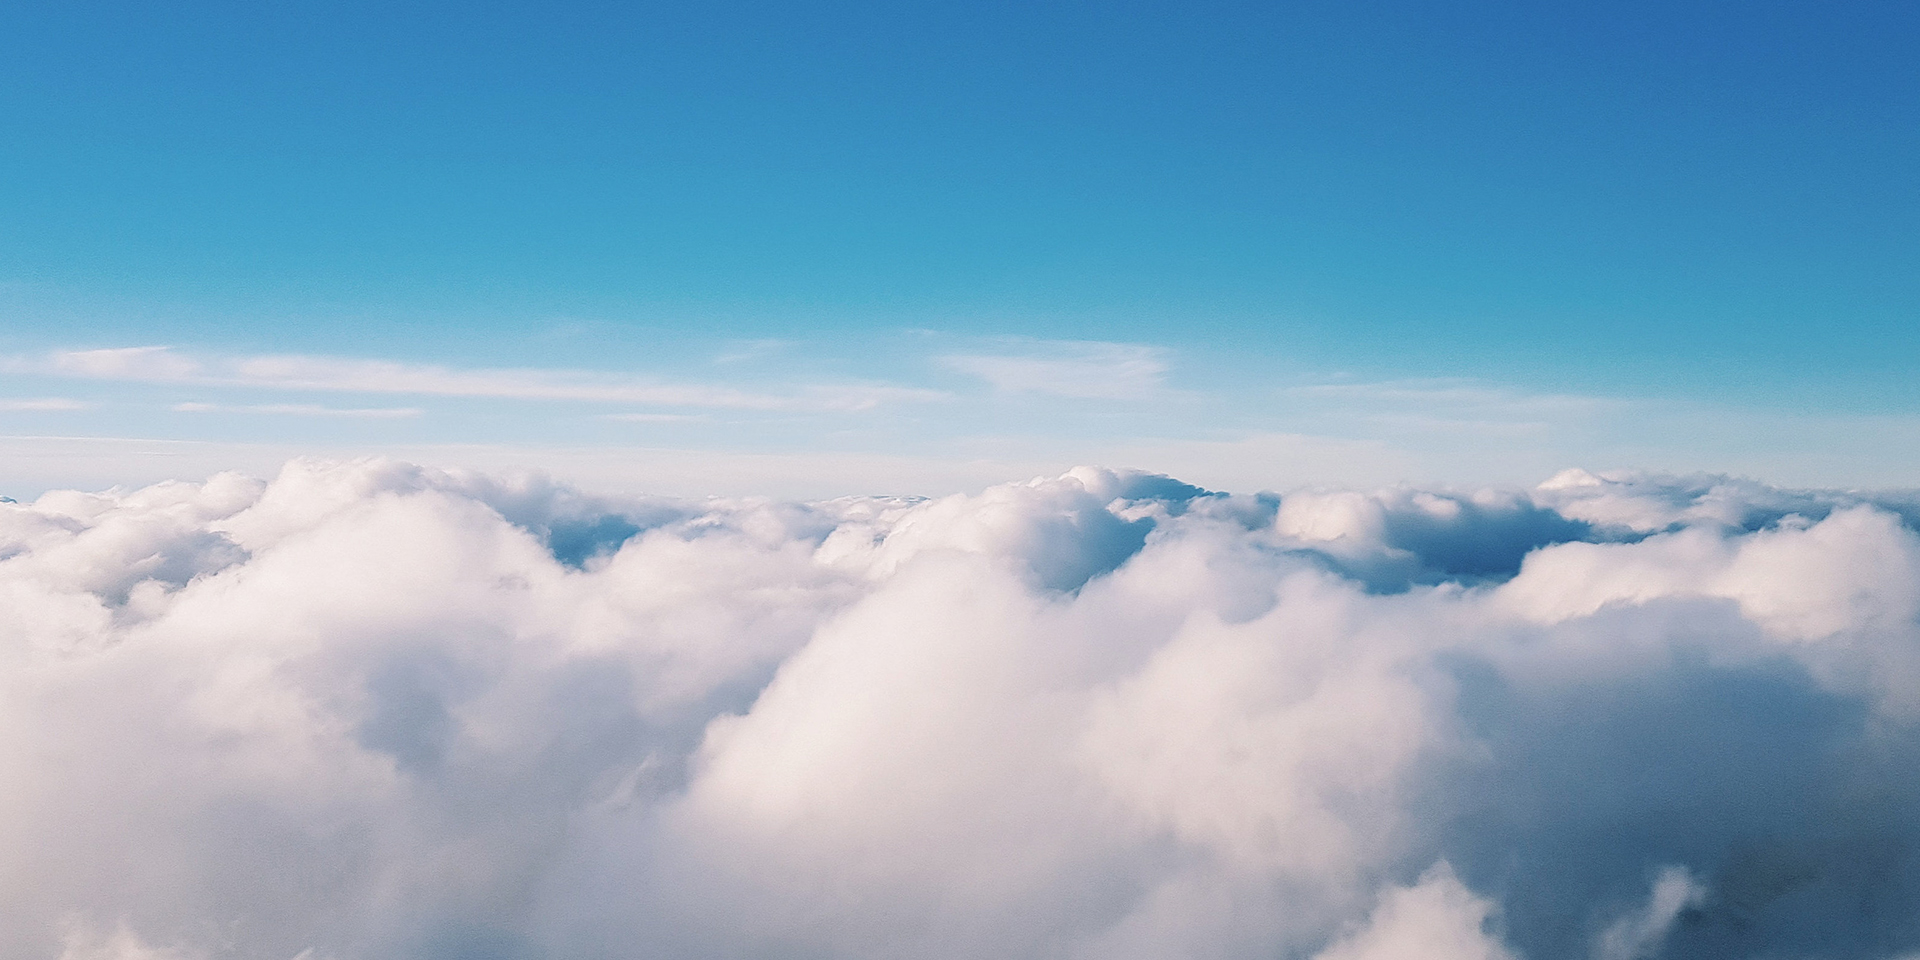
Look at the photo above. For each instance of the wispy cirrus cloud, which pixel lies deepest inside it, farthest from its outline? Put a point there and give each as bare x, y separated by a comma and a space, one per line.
1449, 392
1083, 369
652, 417
752, 350
43, 405
302, 410
1456, 405
159, 364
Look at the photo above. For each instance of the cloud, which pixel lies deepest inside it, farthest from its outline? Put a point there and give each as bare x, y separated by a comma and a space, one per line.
742, 350
650, 417
1436, 919
44, 405
1070, 368
156, 364
372, 709
1457, 407
303, 410
121, 943
1641, 933
1449, 392
127, 363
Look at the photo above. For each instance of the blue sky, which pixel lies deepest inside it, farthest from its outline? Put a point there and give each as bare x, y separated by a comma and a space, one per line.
915, 246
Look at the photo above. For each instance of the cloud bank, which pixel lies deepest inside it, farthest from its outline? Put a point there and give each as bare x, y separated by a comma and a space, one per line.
372, 710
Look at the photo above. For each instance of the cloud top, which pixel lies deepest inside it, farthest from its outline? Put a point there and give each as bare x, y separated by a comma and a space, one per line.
368, 709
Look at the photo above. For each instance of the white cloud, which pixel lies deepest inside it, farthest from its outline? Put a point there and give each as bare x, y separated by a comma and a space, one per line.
44, 405
743, 350
369, 709
1070, 368
122, 943
302, 410
1457, 407
650, 417
1641, 934
127, 363
1449, 393
291, 372
1436, 919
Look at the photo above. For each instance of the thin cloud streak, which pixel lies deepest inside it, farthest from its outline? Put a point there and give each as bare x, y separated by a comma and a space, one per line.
1428, 396
303, 410
158, 364
44, 405
1070, 368
651, 417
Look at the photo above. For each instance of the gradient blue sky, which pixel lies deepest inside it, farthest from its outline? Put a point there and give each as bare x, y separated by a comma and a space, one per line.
851, 247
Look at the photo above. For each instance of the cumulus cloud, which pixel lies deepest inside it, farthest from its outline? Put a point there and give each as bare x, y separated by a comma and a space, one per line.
367, 709
1435, 919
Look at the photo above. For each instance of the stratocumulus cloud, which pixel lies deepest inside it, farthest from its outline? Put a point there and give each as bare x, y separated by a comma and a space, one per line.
371, 710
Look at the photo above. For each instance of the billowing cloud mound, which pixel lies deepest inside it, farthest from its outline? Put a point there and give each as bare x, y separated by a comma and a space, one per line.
370, 710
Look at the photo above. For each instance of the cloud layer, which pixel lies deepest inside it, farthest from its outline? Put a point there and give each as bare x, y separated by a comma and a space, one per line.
372, 710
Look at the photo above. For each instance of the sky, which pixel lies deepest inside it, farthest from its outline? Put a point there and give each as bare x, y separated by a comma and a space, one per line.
853, 481
824, 248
